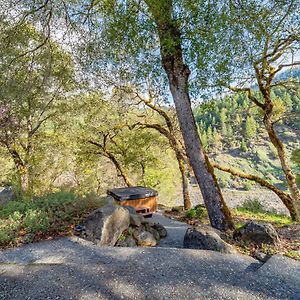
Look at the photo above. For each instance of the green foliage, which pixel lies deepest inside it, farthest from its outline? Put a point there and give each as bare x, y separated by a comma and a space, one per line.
253, 206
250, 128
35, 75
262, 155
49, 214
223, 178
248, 185
270, 217
198, 212
243, 146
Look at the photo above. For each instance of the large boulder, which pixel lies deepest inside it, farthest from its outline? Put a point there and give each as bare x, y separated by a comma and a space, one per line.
258, 233
206, 238
6, 194
105, 225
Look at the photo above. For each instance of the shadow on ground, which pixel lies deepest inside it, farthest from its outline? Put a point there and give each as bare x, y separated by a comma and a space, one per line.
75, 269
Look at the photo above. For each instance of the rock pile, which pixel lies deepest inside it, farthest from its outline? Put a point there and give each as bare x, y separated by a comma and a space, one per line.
120, 226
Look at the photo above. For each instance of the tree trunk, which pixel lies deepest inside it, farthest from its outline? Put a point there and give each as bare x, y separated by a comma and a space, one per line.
289, 175
24, 179
119, 168
284, 197
178, 74
22, 170
179, 156
185, 185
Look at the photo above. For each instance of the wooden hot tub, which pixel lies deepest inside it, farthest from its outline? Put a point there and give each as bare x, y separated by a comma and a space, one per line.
143, 199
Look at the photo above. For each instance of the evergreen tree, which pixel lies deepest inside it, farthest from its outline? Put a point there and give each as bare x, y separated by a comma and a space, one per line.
229, 131
203, 137
217, 140
223, 119
250, 128
209, 136
243, 146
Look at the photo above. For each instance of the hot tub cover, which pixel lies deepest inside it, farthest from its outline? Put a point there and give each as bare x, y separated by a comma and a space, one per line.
132, 193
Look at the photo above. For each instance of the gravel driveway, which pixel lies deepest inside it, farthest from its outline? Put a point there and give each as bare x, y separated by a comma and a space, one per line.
71, 268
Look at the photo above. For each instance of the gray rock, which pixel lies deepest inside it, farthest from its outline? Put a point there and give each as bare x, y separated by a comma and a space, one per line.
205, 238
161, 230
258, 233
144, 238
147, 226
105, 225
135, 220
6, 194
131, 209
129, 241
28, 238
263, 257
155, 233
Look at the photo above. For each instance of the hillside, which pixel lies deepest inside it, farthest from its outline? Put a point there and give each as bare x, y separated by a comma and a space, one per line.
233, 134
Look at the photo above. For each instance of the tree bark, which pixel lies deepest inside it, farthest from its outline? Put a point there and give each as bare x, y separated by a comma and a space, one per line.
185, 185
22, 170
119, 168
178, 74
289, 175
264, 83
284, 197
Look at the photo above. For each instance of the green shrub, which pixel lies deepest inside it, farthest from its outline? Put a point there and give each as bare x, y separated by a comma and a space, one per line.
199, 212
36, 220
45, 215
247, 186
253, 206
262, 155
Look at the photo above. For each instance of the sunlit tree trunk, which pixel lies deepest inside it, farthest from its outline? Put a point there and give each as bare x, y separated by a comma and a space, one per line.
178, 75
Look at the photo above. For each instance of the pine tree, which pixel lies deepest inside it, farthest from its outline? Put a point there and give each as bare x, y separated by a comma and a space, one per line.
203, 137
243, 146
229, 131
250, 128
217, 139
223, 119
209, 136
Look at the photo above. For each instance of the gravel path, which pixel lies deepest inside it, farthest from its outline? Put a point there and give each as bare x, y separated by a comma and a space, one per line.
71, 268
176, 231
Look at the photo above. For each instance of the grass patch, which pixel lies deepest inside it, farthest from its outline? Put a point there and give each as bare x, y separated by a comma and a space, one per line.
49, 215
293, 254
253, 209
270, 217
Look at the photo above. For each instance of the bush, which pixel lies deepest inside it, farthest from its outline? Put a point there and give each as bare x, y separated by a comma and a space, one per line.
262, 155
47, 215
247, 186
253, 206
199, 212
